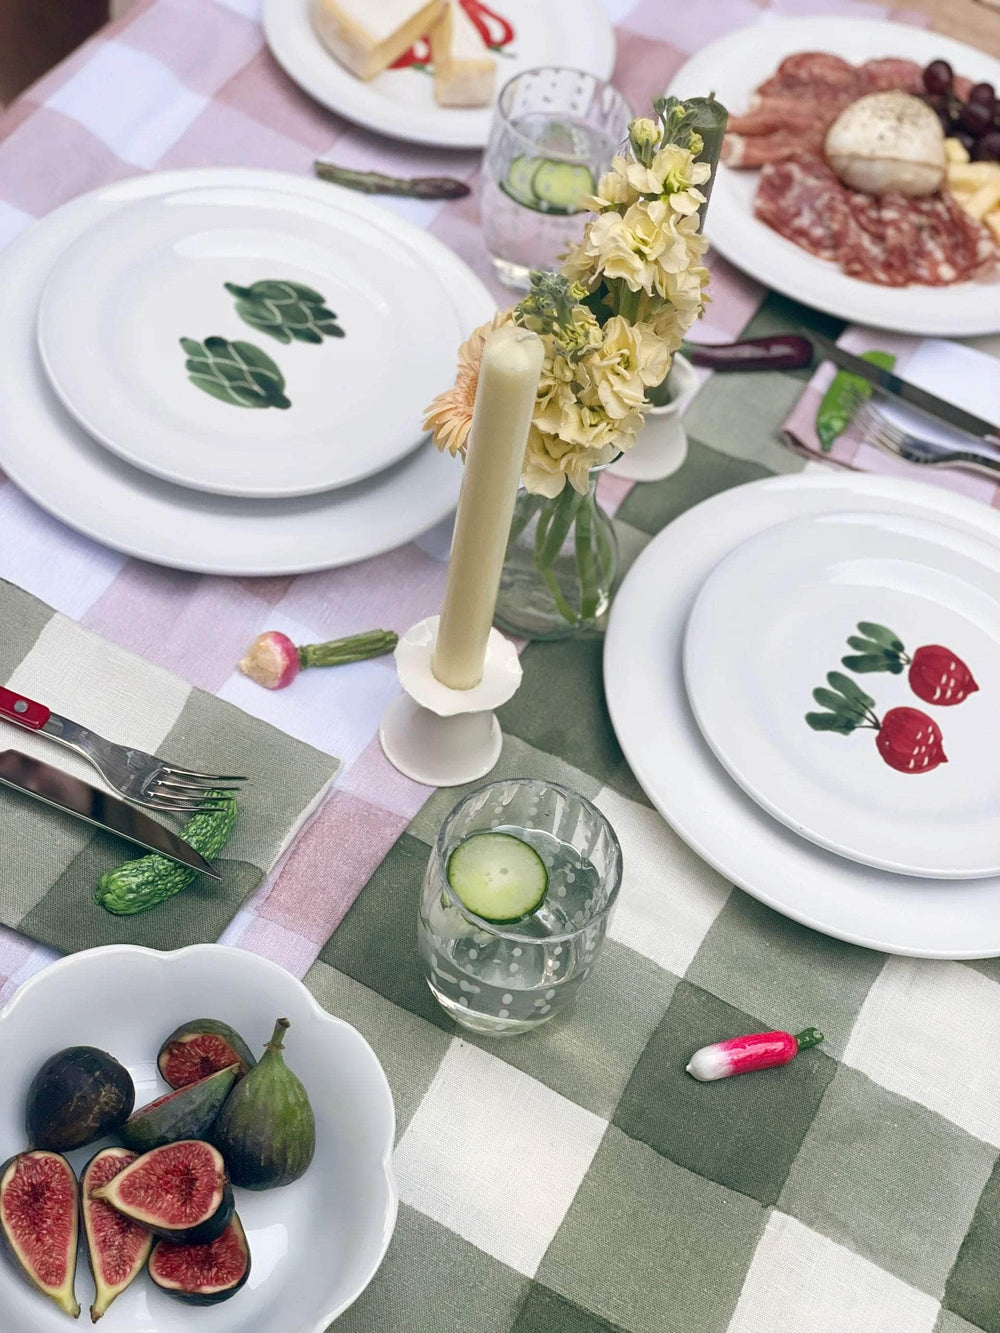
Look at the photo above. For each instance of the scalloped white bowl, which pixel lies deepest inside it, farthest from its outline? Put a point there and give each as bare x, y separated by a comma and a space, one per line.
315, 1244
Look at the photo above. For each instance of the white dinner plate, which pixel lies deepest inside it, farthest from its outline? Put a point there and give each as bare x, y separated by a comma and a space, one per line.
772, 622
670, 758
54, 461
400, 102
159, 272
315, 1244
735, 66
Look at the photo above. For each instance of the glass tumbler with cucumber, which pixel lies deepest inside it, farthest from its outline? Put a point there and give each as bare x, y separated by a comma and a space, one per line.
516, 899
554, 133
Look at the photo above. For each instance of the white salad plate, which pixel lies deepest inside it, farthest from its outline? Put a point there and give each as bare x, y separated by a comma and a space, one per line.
400, 102
772, 621
735, 66
58, 465
931, 918
159, 271
315, 1244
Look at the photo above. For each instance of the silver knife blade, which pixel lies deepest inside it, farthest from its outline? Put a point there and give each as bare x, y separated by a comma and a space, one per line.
905, 392
78, 798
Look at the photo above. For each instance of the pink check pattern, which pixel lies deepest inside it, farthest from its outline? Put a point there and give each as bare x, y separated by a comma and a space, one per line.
190, 83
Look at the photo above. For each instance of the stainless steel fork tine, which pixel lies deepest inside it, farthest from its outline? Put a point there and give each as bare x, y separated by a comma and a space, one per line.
187, 788
158, 802
171, 770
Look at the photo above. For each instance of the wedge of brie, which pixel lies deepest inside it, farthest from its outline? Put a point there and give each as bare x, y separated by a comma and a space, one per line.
368, 35
464, 66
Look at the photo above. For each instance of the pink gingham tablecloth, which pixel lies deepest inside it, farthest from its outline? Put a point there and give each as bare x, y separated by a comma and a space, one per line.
190, 83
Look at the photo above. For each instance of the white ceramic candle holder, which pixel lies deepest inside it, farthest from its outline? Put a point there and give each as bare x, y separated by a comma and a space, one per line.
437, 735
662, 444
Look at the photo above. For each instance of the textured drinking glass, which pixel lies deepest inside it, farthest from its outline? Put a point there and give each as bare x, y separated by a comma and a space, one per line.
505, 979
554, 133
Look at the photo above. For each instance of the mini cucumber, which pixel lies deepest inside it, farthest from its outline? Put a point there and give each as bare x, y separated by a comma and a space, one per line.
498, 877
139, 885
560, 186
520, 174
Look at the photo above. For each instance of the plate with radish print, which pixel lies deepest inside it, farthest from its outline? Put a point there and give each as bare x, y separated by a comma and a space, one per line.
845, 669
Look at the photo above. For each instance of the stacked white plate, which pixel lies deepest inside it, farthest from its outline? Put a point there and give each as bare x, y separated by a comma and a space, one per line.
226, 370
877, 818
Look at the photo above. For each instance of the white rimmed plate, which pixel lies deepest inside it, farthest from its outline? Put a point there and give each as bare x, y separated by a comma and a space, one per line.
669, 756
121, 300
400, 102
47, 454
316, 1244
734, 66
772, 621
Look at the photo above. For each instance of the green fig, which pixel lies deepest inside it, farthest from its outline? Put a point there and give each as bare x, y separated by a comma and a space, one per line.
266, 1130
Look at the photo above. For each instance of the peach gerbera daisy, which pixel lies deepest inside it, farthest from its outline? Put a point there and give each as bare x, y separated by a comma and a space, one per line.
449, 416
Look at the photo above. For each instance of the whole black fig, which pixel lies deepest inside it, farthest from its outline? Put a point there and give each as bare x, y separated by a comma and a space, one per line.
266, 1130
79, 1095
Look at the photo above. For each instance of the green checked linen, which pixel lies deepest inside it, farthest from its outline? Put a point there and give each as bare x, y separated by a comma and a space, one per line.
50, 862
576, 1180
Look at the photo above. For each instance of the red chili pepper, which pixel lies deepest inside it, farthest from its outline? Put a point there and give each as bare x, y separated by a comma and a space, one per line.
742, 1055
418, 54
493, 28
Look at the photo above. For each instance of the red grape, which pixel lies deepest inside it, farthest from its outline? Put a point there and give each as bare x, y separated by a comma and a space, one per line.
977, 118
983, 92
987, 149
938, 77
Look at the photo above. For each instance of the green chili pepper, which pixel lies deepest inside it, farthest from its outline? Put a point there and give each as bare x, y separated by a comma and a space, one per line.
843, 398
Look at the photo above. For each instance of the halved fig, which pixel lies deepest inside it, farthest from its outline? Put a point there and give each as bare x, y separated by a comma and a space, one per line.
202, 1047
180, 1192
203, 1274
116, 1246
79, 1095
40, 1223
188, 1113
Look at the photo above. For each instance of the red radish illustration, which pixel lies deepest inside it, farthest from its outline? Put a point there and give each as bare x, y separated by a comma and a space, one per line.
907, 739
494, 29
937, 675
742, 1055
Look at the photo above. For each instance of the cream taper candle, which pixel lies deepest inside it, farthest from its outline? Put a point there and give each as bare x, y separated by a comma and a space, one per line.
505, 402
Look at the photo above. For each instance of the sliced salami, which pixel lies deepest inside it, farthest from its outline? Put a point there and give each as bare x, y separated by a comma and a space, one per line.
804, 201
890, 74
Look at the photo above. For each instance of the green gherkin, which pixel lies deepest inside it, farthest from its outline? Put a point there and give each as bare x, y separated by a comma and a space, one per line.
266, 1130
285, 310
235, 372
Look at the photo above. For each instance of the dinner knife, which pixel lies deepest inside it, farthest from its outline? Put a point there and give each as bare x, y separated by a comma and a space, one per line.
78, 798
985, 432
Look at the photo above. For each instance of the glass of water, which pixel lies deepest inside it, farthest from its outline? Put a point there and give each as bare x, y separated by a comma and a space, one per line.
554, 133
502, 979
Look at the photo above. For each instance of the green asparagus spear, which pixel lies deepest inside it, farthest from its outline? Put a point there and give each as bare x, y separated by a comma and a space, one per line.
373, 182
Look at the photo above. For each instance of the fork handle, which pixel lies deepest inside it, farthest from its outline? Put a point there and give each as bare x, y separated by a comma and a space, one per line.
23, 712
981, 463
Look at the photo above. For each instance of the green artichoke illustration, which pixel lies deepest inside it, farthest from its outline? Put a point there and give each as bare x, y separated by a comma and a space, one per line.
285, 310
235, 372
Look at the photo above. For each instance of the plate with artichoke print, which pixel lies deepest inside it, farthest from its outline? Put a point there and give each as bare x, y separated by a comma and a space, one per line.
248, 343
845, 669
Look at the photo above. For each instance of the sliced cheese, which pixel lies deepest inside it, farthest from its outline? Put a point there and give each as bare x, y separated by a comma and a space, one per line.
464, 66
368, 35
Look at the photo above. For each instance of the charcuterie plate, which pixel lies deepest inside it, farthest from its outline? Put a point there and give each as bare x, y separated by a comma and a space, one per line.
735, 66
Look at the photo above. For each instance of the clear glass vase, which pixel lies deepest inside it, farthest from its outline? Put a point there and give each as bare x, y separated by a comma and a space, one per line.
560, 566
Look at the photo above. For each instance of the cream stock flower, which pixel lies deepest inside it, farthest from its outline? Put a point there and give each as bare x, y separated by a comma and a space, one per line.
631, 359
449, 416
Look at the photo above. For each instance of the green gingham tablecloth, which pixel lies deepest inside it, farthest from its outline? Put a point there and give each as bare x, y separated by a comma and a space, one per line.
576, 1180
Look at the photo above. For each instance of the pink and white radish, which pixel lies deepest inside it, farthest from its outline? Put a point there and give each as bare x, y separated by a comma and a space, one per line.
742, 1055
272, 660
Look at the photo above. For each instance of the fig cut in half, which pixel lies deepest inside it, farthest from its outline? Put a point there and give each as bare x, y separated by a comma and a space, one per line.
203, 1274
40, 1223
180, 1192
116, 1246
79, 1095
202, 1047
187, 1113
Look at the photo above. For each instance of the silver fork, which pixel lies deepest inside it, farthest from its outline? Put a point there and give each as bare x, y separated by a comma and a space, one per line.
879, 430
143, 778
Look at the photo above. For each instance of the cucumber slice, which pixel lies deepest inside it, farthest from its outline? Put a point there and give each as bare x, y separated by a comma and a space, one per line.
559, 186
520, 174
499, 877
